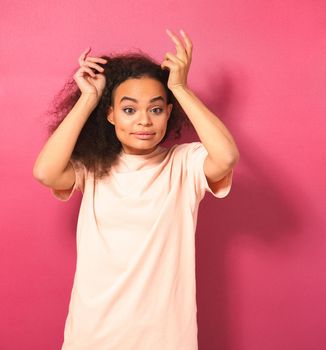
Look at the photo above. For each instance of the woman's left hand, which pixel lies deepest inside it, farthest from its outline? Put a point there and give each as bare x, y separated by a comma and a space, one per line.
178, 64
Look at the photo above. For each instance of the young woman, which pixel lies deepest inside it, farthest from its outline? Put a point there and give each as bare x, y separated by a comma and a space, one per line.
134, 285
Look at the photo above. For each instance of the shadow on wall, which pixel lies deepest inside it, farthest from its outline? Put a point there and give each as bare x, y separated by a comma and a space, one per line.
256, 207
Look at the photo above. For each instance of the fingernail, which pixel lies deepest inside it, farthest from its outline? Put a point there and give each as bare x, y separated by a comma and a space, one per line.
182, 32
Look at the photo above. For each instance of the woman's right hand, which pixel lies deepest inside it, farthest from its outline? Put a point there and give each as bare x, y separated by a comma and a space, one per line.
90, 83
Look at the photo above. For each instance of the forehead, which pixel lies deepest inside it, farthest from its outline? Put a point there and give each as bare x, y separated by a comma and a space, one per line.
141, 89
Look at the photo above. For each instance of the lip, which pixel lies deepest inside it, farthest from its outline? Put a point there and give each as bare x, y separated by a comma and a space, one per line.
143, 135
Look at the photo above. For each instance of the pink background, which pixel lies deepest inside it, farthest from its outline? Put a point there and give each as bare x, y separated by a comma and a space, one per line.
261, 67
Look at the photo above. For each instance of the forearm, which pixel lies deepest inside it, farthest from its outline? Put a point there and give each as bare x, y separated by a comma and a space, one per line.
55, 154
213, 134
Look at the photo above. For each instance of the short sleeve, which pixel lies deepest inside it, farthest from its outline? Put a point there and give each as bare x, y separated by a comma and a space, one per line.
196, 154
80, 175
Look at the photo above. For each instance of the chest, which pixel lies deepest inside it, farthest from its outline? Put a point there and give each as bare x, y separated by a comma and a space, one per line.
128, 202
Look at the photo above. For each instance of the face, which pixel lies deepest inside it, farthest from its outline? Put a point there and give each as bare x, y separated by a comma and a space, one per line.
140, 114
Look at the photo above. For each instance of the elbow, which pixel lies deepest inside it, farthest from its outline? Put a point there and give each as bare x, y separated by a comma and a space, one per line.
37, 171
41, 176
38, 175
233, 159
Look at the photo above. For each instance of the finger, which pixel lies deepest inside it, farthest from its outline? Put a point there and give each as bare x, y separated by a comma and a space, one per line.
181, 52
86, 70
97, 59
93, 65
83, 55
167, 64
89, 71
171, 57
188, 42
176, 60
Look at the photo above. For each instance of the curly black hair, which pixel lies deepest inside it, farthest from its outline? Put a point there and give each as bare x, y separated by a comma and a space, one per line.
97, 146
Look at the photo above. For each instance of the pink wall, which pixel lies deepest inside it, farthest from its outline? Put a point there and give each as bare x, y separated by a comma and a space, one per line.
260, 66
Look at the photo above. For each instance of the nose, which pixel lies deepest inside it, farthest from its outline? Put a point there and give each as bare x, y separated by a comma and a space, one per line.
145, 119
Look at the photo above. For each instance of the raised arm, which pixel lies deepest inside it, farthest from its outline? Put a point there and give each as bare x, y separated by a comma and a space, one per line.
222, 150
52, 167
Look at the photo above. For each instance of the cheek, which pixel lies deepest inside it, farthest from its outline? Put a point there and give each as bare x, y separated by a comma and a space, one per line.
162, 127
123, 124
164, 122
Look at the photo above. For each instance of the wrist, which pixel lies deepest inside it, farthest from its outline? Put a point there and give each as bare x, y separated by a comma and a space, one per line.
180, 89
89, 97
89, 100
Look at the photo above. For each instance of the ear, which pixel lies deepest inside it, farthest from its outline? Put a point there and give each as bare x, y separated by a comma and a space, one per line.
170, 106
110, 115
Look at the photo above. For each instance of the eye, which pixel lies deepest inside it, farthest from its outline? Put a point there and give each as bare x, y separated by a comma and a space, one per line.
125, 110
158, 108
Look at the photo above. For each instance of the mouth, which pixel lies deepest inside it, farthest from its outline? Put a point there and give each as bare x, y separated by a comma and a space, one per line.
144, 135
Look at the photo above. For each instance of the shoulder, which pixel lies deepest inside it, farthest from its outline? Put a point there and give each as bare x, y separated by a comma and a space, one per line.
187, 148
189, 151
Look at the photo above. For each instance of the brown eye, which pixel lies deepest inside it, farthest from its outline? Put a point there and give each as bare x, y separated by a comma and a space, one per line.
128, 108
160, 110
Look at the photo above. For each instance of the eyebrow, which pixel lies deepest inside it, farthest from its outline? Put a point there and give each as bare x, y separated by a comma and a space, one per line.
157, 98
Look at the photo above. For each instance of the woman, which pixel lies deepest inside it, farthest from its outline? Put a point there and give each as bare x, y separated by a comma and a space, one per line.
134, 285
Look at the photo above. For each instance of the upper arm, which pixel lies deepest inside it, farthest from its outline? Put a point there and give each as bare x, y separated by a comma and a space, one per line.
65, 184
214, 172
205, 176
66, 180
72, 179
218, 177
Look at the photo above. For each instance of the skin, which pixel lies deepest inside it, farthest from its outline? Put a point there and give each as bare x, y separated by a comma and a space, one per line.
129, 117
53, 168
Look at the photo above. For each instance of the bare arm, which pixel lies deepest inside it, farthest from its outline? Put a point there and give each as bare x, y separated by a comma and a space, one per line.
222, 150
52, 167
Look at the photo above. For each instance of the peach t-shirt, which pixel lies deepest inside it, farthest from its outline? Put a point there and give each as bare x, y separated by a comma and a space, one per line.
134, 286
